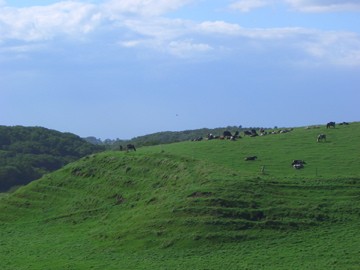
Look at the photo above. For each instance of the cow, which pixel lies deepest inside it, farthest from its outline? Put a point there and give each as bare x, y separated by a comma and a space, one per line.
321, 137
247, 132
330, 124
251, 133
251, 158
130, 147
227, 134
298, 164
298, 161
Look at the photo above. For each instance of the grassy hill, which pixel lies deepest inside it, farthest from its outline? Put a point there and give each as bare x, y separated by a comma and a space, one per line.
194, 205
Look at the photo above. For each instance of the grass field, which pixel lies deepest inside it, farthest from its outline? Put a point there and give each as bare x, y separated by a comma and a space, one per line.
196, 205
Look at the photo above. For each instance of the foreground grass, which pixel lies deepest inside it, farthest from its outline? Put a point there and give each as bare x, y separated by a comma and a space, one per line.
193, 205
333, 247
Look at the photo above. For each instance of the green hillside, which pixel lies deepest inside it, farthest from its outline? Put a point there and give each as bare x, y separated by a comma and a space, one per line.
196, 205
27, 153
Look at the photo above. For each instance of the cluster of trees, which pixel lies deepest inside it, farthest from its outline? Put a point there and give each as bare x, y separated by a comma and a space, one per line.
26, 153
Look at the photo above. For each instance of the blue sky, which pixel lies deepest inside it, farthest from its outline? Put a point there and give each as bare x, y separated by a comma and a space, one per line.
126, 68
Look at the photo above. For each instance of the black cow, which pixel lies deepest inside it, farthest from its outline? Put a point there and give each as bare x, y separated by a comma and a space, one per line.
247, 132
227, 134
251, 158
251, 133
330, 124
130, 147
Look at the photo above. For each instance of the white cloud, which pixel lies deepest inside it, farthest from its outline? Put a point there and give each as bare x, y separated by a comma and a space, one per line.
342, 49
157, 28
219, 27
324, 5
130, 43
230, 29
248, 5
138, 24
185, 48
45, 22
165, 35
142, 7
326, 47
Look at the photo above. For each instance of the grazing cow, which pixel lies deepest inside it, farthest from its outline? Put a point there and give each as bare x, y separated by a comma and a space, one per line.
298, 164
227, 134
251, 133
286, 130
344, 123
232, 138
321, 137
235, 136
247, 132
298, 161
262, 132
130, 147
330, 124
251, 158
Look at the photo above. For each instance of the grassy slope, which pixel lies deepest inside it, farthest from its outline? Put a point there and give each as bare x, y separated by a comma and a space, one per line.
194, 204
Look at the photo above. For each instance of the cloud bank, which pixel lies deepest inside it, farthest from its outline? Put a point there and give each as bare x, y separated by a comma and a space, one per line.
324, 5
143, 24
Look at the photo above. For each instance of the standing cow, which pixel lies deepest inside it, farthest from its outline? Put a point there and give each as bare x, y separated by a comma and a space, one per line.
130, 147
321, 137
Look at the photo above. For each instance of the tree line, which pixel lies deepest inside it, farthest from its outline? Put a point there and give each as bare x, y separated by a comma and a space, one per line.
27, 153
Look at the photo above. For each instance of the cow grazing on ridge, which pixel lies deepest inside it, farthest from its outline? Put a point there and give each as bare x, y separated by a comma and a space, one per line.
227, 134
251, 133
330, 124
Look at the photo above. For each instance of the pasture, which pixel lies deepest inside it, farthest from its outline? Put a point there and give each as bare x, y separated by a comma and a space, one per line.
194, 205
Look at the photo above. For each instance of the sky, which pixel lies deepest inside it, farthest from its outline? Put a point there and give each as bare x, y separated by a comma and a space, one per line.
127, 68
